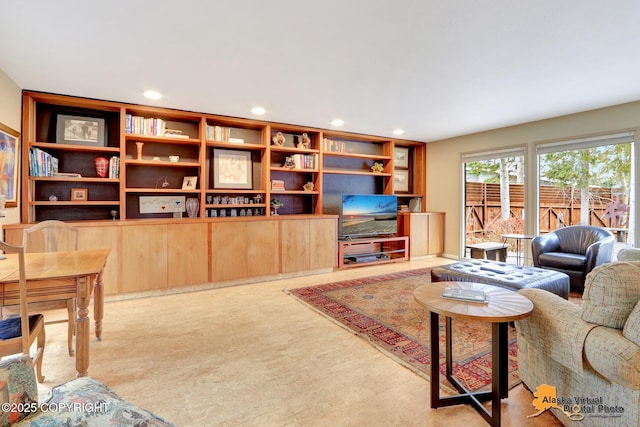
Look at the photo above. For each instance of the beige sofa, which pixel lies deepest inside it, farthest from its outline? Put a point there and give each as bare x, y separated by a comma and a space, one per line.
589, 353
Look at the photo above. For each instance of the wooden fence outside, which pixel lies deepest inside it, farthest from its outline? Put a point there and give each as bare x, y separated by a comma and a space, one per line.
557, 207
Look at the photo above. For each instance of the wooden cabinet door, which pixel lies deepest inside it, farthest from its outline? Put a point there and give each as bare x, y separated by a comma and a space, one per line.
436, 233
105, 237
294, 245
228, 251
323, 238
187, 254
262, 253
144, 258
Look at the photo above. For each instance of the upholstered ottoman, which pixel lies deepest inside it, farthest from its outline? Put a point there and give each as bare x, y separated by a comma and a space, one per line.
506, 276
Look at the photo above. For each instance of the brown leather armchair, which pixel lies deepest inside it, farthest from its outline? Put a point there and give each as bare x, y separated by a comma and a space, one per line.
573, 250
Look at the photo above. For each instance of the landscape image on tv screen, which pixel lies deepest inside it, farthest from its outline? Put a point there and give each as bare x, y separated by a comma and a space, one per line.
369, 214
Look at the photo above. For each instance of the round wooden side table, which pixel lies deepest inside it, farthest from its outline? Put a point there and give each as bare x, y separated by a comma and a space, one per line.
503, 306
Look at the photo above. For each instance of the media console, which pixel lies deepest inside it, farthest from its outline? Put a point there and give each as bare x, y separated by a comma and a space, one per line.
377, 250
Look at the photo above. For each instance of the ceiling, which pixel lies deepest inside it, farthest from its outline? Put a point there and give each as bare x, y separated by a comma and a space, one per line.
434, 68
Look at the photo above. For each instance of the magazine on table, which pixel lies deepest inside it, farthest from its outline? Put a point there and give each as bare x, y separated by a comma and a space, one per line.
472, 295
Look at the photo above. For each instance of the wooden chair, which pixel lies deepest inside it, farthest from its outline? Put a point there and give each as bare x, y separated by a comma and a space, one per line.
13, 339
54, 236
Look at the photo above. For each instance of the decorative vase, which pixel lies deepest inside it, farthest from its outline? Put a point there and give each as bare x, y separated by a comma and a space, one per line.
139, 149
102, 166
192, 204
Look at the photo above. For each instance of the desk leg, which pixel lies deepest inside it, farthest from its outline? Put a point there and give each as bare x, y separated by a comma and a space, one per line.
82, 324
98, 305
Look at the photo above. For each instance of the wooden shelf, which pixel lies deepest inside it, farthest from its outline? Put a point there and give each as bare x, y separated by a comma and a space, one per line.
331, 174
361, 252
72, 147
74, 203
355, 172
63, 179
160, 139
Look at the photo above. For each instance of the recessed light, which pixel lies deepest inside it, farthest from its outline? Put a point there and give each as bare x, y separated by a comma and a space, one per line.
398, 132
337, 122
258, 111
152, 94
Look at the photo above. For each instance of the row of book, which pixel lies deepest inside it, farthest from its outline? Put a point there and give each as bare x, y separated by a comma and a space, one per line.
42, 163
305, 161
277, 185
221, 133
139, 125
334, 146
114, 167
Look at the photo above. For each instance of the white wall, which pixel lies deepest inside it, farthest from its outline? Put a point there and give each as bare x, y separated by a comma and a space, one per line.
444, 177
10, 112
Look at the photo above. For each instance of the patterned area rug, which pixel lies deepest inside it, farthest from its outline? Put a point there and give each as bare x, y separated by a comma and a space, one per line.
382, 310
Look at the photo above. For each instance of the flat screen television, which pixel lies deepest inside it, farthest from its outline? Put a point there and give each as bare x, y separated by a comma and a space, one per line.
364, 215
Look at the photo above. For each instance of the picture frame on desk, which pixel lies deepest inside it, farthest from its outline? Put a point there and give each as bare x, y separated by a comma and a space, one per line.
401, 180
9, 152
232, 169
401, 157
79, 130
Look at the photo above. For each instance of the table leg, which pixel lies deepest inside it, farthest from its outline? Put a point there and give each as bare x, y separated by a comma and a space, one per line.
82, 324
435, 360
98, 305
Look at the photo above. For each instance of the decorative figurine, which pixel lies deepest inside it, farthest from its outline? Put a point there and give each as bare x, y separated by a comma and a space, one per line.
276, 204
304, 141
377, 167
289, 163
308, 186
279, 139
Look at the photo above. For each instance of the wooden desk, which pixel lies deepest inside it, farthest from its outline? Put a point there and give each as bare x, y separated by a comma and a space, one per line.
53, 275
504, 306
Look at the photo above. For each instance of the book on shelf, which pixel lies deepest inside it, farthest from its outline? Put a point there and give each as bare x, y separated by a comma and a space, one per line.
305, 161
67, 175
236, 140
139, 125
42, 163
472, 295
277, 185
175, 133
218, 133
114, 167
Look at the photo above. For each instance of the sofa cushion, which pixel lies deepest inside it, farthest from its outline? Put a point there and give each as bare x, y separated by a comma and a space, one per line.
611, 291
613, 356
631, 329
85, 401
563, 260
17, 386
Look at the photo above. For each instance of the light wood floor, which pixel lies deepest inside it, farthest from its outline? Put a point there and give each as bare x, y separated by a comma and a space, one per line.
251, 355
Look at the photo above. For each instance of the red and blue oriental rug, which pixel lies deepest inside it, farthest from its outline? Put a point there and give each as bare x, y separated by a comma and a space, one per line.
381, 309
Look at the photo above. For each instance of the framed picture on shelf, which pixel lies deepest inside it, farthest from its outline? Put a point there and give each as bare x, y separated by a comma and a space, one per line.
80, 130
189, 182
79, 194
9, 150
401, 157
401, 180
232, 169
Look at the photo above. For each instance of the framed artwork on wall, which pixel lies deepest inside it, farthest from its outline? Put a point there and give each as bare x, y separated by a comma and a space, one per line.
232, 169
401, 157
400, 180
9, 152
80, 130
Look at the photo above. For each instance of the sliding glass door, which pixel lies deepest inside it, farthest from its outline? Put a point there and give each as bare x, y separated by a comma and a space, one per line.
588, 181
494, 197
